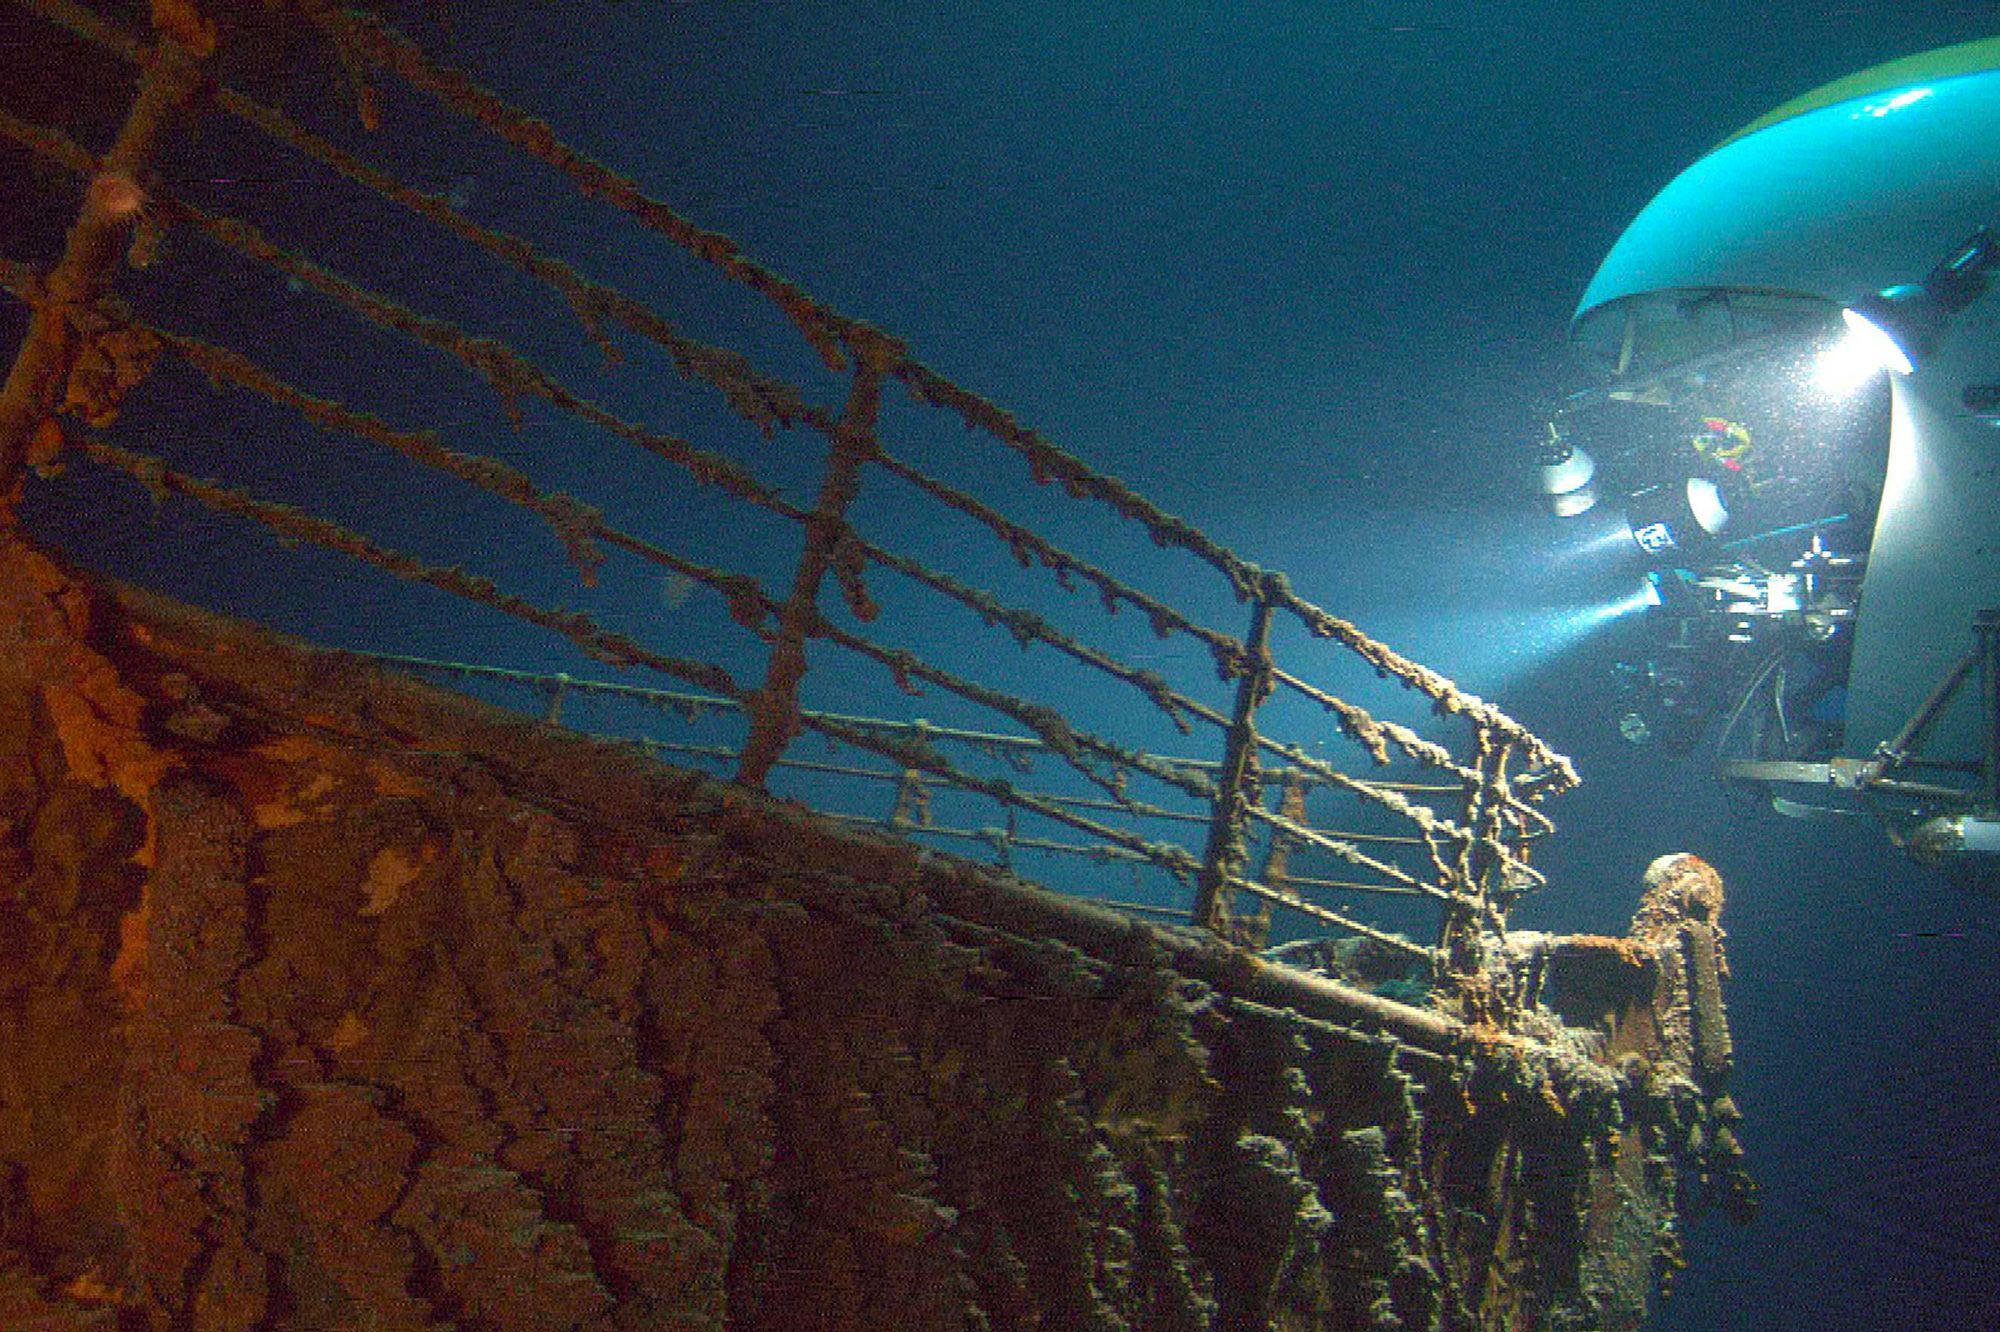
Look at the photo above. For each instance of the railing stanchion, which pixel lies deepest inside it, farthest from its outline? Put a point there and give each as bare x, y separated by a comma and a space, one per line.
1237, 782
112, 206
774, 709
1255, 931
85, 352
1471, 917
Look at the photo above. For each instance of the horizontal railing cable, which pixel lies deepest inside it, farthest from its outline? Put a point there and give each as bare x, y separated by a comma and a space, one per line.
1371, 734
764, 400
512, 376
579, 527
1329, 916
510, 373
1350, 853
291, 523
369, 39
1473, 826
607, 645
1065, 741
697, 704
1349, 885
1030, 547
668, 700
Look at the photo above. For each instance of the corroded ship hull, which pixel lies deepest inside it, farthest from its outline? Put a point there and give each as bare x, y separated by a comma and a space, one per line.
332, 1000
329, 999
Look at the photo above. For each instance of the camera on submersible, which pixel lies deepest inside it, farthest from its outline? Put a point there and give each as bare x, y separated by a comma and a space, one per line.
1743, 634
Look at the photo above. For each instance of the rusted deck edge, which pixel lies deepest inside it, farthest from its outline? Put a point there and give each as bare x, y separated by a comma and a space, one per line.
296, 679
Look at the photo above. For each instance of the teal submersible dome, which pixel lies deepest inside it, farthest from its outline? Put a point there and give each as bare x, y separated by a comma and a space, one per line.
1793, 411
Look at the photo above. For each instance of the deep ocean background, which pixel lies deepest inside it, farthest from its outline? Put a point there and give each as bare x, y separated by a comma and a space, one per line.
1302, 273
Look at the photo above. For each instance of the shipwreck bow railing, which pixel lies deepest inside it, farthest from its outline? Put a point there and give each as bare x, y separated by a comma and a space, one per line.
1443, 825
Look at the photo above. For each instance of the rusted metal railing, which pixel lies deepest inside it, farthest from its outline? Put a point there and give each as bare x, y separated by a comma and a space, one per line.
1460, 838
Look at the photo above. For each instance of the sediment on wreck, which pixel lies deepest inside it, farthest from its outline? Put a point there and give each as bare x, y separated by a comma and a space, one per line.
331, 1000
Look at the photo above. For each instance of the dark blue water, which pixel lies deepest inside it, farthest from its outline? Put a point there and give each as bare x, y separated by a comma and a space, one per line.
1301, 273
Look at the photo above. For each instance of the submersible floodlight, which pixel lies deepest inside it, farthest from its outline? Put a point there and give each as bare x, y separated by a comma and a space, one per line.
1676, 517
1900, 325
1895, 328
1564, 471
